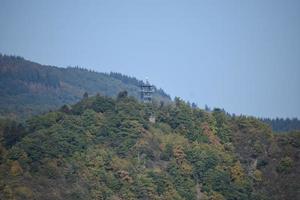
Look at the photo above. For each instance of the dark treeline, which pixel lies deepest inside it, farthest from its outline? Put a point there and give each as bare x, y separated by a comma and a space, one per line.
283, 125
277, 124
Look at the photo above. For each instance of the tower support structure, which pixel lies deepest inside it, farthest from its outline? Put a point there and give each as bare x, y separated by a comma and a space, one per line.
146, 92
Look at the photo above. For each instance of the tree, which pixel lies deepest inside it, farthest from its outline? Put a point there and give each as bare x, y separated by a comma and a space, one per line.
122, 95
285, 165
12, 132
207, 109
66, 109
85, 95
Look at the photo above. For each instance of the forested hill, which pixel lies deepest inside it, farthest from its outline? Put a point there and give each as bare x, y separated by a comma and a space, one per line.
27, 88
106, 148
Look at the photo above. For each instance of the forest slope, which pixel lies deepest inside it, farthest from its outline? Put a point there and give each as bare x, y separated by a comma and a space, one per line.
28, 88
106, 148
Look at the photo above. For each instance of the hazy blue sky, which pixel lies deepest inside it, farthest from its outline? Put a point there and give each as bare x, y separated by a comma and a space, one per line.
243, 56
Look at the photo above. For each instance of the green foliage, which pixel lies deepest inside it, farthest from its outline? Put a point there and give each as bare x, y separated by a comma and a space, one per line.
203, 159
223, 129
219, 180
97, 103
11, 132
44, 121
106, 148
285, 165
167, 153
183, 184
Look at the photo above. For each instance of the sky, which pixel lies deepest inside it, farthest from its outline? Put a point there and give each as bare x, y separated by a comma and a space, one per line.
243, 56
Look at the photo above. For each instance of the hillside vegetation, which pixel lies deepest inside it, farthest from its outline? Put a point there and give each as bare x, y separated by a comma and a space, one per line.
283, 125
106, 148
28, 88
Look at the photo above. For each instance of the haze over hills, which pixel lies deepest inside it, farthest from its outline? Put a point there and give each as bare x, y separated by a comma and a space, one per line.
28, 88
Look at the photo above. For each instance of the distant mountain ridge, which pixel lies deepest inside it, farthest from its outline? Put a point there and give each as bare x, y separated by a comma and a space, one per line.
28, 88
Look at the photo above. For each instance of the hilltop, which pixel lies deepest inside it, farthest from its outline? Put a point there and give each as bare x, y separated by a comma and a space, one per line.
106, 148
28, 88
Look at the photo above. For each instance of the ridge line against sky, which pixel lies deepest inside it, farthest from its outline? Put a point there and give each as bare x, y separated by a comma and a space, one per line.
243, 56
